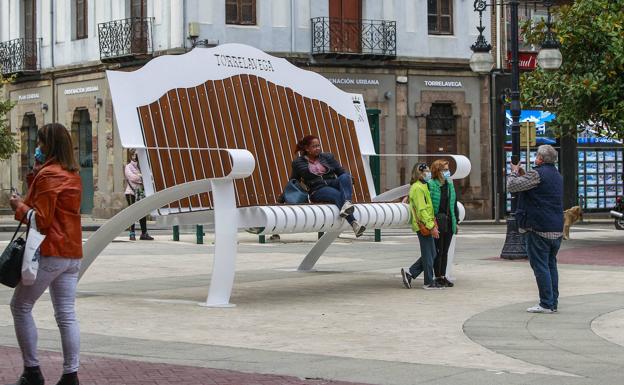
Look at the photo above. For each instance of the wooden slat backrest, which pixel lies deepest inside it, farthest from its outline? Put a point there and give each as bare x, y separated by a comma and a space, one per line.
182, 112
243, 112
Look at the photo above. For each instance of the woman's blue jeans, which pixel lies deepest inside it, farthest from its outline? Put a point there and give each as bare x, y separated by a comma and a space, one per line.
337, 192
425, 262
61, 276
542, 254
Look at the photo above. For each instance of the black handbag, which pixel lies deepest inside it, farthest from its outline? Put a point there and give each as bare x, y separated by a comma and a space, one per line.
11, 258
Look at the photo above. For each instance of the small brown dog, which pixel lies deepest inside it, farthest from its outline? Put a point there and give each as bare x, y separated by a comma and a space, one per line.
570, 217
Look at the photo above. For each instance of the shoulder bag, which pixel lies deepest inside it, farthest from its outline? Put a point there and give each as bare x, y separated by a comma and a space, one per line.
294, 193
12, 257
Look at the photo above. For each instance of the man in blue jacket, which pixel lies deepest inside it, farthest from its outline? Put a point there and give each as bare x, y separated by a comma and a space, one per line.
540, 217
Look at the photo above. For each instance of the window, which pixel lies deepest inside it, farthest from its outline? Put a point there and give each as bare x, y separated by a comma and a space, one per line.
440, 17
441, 120
82, 19
240, 12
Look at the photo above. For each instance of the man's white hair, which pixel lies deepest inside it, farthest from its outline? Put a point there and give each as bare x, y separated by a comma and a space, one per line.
547, 153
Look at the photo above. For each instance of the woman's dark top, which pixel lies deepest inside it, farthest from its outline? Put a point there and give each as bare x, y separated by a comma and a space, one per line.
444, 202
301, 171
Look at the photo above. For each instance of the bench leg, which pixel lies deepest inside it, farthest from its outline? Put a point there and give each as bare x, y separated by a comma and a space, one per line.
225, 244
319, 248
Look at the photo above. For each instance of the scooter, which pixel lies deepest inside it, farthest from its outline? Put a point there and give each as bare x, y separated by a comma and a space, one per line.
618, 213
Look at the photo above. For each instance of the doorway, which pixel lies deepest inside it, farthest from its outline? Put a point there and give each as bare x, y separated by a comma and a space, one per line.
139, 26
83, 147
30, 34
28, 140
441, 129
345, 25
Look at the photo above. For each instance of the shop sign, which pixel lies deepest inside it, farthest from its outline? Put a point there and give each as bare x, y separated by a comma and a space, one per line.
81, 90
444, 83
28, 97
526, 60
354, 81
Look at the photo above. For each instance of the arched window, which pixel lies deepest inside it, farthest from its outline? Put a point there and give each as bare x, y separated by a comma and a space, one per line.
82, 137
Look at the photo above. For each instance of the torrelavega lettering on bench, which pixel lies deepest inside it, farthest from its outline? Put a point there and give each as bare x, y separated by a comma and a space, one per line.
244, 62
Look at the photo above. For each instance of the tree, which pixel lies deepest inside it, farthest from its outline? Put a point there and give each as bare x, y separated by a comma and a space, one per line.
588, 89
8, 145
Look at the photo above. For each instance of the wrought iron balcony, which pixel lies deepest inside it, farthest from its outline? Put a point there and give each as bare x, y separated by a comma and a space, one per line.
125, 39
374, 39
20, 56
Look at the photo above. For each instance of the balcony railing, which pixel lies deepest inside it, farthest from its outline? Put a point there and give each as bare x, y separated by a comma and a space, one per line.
125, 39
375, 39
20, 56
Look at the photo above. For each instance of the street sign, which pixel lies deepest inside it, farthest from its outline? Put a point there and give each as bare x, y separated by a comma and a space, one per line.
527, 134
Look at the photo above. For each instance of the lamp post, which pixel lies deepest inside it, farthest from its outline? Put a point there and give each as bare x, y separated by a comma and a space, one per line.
481, 61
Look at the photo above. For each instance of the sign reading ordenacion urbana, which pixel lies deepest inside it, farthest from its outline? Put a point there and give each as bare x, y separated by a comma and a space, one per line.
443, 83
81, 90
244, 62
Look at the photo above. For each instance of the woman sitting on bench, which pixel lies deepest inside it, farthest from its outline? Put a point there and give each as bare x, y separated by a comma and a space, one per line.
325, 178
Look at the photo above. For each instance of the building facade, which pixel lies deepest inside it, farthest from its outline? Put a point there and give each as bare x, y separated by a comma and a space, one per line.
409, 58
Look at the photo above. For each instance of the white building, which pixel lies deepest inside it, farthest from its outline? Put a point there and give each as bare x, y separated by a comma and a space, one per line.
409, 58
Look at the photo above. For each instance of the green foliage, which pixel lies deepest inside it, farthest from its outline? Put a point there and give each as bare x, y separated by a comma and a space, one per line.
588, 89
8, 145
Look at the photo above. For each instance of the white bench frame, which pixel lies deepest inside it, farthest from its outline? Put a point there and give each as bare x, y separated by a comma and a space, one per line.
133, 89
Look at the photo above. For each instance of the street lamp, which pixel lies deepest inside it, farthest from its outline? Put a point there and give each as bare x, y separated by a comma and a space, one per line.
549, 58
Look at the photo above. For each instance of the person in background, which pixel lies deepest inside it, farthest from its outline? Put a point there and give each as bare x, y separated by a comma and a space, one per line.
134, 191
325, 178
540, 218
421, 212
54, 195
446, 213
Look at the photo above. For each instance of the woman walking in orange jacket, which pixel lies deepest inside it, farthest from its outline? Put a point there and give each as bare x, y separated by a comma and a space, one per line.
55, 195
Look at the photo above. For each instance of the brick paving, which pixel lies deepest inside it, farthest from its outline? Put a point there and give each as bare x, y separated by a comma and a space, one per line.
96, 370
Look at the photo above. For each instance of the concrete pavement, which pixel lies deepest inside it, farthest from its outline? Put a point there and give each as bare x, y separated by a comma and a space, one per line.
351, 320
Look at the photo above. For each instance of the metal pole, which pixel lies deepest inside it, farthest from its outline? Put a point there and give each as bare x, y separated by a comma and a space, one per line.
514, 244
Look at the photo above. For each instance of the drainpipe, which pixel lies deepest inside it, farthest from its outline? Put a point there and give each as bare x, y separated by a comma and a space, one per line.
52, 40
52, 44
184, 23
498, 35
292, 26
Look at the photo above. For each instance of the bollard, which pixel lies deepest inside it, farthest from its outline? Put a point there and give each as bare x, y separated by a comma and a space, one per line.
377, 235
262, 239
199, 232
176, 233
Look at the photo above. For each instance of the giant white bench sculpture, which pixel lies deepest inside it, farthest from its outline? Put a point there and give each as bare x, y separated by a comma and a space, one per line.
215, 131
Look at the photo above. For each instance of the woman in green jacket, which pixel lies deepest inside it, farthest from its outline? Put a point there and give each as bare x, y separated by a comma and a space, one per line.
446, 213
421, 211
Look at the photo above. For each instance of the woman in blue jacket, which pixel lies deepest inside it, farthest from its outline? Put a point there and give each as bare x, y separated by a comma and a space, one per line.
325, 179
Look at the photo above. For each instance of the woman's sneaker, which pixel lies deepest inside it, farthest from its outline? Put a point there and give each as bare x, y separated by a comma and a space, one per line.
433, 286
407, 279
539, 309
146, 237
358, 229
346, 209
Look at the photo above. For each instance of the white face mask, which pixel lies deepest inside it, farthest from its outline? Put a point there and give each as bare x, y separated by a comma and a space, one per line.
446, 174
427, 175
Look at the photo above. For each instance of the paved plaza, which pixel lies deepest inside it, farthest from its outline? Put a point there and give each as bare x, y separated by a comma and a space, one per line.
350, 321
